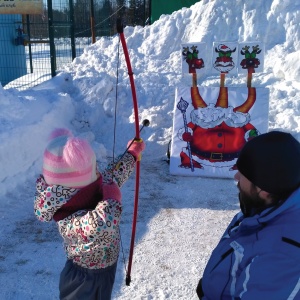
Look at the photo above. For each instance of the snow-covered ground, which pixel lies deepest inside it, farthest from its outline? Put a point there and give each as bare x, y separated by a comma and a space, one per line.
180, 218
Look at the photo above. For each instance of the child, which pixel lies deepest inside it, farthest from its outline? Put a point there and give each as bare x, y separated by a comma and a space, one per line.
86, 206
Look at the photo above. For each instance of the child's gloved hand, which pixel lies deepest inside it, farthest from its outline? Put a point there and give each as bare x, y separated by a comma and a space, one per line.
136, 148
111, 191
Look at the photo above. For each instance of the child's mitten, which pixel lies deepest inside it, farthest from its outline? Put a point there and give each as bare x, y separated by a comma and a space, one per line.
136, 147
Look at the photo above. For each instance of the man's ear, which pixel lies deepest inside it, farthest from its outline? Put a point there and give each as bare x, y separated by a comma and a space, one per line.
266, 196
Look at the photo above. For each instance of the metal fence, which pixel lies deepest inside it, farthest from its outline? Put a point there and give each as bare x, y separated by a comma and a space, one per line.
34, 47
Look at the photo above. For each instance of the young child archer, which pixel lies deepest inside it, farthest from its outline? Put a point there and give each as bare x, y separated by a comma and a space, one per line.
86, 206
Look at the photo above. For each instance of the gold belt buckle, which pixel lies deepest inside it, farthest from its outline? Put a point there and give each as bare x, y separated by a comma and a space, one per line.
214, 154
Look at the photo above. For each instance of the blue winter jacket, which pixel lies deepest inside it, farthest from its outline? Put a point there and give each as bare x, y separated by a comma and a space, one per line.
257, 258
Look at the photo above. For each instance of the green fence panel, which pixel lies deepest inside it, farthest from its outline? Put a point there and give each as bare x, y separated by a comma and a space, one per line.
35, 47
12, 55
163, 7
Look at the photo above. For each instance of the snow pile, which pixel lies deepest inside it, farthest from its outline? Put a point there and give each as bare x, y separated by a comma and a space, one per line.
180, 218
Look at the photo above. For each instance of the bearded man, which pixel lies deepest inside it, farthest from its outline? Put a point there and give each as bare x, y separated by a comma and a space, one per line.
258, 256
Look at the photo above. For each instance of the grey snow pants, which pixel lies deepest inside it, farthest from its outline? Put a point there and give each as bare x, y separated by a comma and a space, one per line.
77, 283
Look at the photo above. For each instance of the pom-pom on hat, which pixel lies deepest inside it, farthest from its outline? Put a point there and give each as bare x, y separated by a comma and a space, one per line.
68, 160
271, 161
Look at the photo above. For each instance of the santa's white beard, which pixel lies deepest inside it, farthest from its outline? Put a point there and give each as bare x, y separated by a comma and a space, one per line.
211, 116
224, 67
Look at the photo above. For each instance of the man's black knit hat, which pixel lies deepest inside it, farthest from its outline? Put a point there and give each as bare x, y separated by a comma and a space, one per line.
271, 161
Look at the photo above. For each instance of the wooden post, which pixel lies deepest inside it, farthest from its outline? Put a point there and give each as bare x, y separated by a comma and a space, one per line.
93, 22
194, 79
249, 77
222, 79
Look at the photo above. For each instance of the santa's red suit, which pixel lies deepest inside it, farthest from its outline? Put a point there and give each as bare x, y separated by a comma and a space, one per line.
217, 132
221, 143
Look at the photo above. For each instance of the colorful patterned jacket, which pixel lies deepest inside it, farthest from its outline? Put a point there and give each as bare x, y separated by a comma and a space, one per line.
91, 236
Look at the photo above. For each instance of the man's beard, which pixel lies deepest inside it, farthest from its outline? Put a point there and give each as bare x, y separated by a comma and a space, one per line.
251, 203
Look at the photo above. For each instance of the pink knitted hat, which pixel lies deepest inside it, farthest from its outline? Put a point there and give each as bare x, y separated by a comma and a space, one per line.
69, 161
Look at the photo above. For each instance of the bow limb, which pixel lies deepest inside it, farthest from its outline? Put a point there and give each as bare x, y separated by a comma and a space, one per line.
137, 136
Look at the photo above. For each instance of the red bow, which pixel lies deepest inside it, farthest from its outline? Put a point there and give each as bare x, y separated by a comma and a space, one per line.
120, 28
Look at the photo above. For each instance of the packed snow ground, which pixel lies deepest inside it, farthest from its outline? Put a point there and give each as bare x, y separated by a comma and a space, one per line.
180, 218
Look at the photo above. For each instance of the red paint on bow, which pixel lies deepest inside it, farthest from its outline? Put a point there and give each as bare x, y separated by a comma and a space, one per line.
137, 136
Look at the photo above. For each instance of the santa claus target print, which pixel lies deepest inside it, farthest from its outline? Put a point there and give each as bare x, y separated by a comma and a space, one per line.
212, 124
225, 57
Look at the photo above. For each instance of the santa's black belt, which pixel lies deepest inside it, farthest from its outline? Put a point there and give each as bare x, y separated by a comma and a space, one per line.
215, 155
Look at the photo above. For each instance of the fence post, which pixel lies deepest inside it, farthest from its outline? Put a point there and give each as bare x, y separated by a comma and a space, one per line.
51, 39
72, 32
92, 21
29, 45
